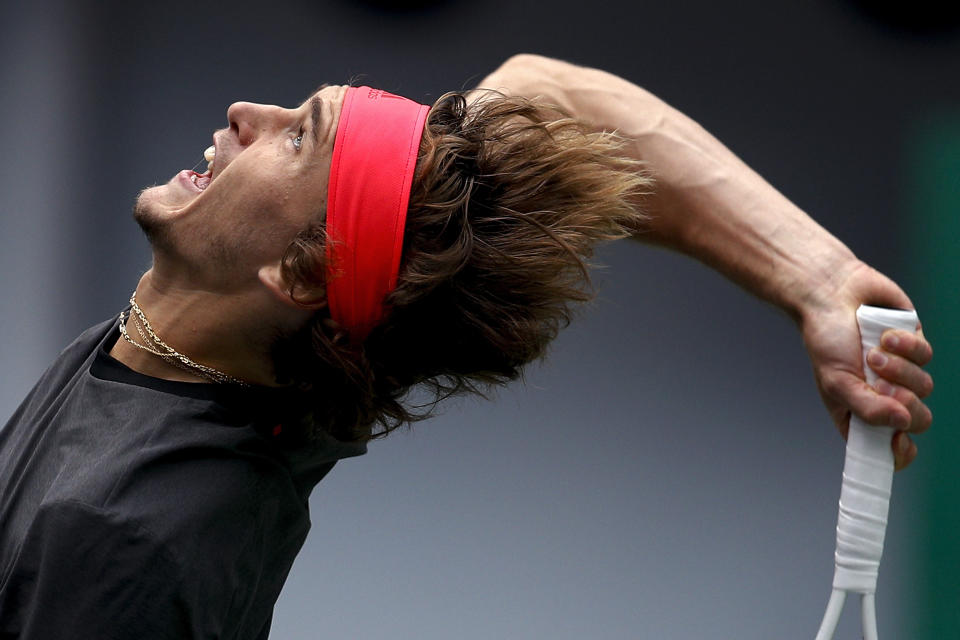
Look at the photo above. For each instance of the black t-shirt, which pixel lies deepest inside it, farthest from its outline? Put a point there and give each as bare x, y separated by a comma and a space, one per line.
133, 507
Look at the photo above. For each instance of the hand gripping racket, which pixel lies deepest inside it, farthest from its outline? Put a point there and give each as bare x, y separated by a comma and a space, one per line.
865, 493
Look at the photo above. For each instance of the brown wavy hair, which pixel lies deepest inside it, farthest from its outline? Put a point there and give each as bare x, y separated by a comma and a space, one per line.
509, 198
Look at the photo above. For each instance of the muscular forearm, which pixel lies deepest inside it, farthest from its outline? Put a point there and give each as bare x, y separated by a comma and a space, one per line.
707, 202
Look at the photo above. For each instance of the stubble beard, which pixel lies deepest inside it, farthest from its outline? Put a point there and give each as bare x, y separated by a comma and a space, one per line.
158, 234
220, 257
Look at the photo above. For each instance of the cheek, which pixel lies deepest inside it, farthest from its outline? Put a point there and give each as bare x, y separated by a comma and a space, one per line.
269, 218
263, 206
242, 197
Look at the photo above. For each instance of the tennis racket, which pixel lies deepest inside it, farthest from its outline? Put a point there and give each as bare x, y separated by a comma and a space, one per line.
865, 492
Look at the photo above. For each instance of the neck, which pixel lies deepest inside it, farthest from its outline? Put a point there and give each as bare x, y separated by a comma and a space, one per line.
231, 333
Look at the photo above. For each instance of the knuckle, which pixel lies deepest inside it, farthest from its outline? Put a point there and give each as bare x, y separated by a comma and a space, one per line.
913, 346
876, 415
879, 360
905, 397
833, 386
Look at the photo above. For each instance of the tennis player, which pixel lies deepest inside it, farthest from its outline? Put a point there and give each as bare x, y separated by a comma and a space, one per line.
155, 482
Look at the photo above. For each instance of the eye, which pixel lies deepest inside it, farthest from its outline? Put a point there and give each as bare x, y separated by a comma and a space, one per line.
298, 141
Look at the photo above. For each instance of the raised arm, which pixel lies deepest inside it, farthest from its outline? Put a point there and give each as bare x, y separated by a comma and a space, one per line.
712, 206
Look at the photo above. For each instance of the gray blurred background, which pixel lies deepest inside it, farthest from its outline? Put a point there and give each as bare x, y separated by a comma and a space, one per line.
669, 471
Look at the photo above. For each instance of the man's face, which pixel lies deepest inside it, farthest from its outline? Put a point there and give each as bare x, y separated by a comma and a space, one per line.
268, 182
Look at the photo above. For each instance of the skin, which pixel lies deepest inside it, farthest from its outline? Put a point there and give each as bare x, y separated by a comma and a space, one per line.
214, 291
712, 206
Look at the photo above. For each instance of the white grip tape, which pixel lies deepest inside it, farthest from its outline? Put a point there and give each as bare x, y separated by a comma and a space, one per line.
867, 473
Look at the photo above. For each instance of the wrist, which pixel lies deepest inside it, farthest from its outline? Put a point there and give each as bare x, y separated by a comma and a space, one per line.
825, 283
850, 284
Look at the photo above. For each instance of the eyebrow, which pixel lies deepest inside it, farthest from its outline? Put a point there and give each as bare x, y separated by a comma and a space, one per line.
315, 117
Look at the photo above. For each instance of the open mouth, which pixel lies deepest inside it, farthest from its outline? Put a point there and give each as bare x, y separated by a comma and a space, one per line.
201, 180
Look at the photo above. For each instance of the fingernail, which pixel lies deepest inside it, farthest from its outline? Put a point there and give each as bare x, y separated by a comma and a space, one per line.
876, 359
884, 388
890, 341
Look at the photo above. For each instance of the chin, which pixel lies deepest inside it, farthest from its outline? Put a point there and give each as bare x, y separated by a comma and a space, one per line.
148, 213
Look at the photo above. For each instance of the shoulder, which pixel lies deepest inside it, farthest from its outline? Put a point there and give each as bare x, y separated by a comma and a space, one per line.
222, 491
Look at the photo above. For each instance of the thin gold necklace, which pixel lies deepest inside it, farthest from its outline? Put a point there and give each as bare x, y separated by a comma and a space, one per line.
168, 353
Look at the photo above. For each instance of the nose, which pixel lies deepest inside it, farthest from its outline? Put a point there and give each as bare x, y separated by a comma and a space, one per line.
251, 120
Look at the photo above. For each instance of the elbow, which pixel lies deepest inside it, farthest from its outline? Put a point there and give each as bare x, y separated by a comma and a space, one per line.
534, 65
526, 60
534, 75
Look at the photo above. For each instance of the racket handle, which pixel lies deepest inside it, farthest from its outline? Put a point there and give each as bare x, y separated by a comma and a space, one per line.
867, 473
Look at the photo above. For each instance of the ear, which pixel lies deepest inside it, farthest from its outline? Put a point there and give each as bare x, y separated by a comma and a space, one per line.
272, 278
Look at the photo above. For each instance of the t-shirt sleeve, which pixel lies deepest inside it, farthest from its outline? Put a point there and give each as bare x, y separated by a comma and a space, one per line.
84, 573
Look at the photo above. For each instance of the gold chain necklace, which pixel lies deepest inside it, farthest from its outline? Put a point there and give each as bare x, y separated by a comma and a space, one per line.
165, 356
169, 354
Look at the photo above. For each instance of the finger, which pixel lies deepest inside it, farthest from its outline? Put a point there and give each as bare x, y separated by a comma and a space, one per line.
901, 371
912, 346
904, 450
848, 390
920, 415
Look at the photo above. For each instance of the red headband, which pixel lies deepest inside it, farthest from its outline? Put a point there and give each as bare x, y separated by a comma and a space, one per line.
374, 156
